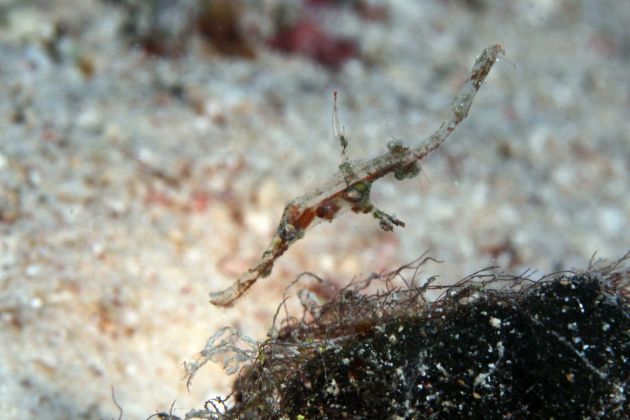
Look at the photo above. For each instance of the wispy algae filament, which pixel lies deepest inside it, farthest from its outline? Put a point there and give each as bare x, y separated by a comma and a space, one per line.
350, 187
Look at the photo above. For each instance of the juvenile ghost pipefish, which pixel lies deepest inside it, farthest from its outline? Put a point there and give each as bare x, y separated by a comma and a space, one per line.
349, 189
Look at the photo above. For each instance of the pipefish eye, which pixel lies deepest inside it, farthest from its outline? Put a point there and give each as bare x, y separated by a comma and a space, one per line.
287, 232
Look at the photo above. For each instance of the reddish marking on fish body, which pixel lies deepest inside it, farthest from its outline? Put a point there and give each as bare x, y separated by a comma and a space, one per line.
304, 219
327, 209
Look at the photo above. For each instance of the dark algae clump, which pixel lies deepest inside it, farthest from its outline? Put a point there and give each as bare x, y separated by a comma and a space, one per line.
489, 346
561, 350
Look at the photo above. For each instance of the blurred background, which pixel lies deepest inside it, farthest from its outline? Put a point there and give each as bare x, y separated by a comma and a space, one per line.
147, 150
